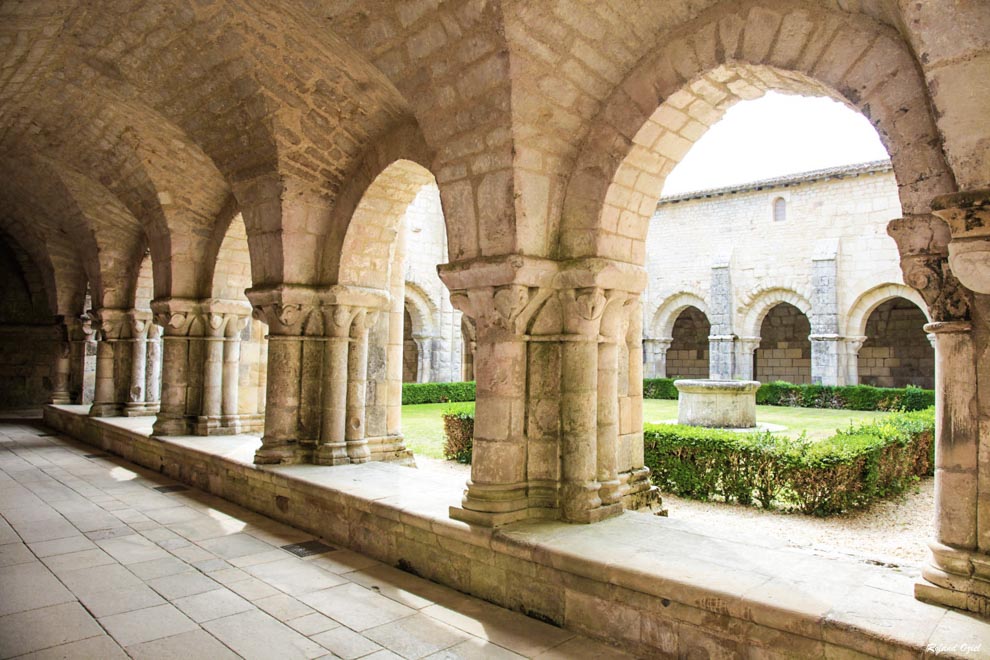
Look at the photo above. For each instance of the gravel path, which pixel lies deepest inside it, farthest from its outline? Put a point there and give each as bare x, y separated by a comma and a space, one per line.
893, 531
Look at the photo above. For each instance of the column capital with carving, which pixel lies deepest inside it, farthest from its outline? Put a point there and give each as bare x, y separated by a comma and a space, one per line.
923, 242
968, 215
177, 316
112, 324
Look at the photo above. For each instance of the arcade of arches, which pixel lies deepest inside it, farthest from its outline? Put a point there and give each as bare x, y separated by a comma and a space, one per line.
275, 147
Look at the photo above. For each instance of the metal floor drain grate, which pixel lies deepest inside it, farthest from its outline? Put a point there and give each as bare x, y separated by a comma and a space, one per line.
94, 455
171, 489
308, 548
45, 435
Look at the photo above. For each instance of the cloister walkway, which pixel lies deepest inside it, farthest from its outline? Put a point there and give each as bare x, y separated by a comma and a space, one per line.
658, 586
100, 558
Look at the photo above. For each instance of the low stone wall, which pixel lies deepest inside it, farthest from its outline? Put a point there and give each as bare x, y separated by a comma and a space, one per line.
654, 586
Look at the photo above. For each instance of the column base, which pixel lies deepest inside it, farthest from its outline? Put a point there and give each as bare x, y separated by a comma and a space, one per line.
638, 494
391, 449
105, 410
60, 399
331, 455
137, 409
170, 426
282, 454
237, 424
494, 506
961, 579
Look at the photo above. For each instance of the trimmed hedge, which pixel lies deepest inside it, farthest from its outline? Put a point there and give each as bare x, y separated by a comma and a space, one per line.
848, 470
845, 397
413, 393
458, 433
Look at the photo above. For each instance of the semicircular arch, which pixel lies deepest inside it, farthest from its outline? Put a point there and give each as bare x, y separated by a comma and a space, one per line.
662, 325
868, 301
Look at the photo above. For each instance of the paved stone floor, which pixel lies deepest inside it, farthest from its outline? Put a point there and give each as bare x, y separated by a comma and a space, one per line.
102, 559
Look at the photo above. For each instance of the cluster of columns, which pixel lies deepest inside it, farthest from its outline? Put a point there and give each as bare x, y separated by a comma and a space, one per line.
334, 375
949, 264
558, 360
201, 346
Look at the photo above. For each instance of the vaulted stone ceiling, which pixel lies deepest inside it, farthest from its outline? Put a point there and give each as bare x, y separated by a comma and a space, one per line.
130, 125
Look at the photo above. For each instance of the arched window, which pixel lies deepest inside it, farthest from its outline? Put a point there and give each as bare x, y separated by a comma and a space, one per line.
779, 210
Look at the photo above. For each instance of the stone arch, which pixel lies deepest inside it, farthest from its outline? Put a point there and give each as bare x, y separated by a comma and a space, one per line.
368, 213
763, 301
896, 351
144, 285
784, 352
422, 311
688, 353
728, 54
859, 313
231, 270
668, 311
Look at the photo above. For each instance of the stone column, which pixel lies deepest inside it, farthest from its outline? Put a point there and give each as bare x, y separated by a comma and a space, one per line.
424, 358
743, 357
82, 347
849, 359
824, 317
289, 312
637, 490
958, 574
108, 400
230, 391
722, 363
551, 408
656, 356
137, 395
333, 445
153, 373
180, 319
63, 365
357, 386
208, 416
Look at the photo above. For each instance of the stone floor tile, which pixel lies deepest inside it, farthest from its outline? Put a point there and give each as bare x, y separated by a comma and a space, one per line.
189, 552
207, 528
254, 634
384, 654
174, 514
293, 576
211, 605
405, 588
346, 643
159, 534
32, 630
101, 648
73, 561
283, 607
344, 561
229, 575
101, 578
182, 584
132, 549
253, 589
475, 649
507, 629
312, 624
147, 624
211, 565
30, 586
960, 635
156, 568
415, 636
234, 545
118, 601
15, 553
582, 648
61, 546
192, 645
111, 533
7, 533
259, 558
46, 530
356, 607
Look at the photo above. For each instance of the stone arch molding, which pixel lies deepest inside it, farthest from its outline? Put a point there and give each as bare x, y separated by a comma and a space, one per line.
422, 311
868, 301
662, 326
762, 302
732, 53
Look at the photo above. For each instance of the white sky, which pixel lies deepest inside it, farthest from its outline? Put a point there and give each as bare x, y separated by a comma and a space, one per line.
774, 135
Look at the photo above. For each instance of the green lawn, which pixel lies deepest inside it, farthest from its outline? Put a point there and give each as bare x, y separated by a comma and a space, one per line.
423, 427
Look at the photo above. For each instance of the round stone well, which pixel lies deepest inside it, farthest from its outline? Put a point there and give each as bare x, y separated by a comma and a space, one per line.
717, 403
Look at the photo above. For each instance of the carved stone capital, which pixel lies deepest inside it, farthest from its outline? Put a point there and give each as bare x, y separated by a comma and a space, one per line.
177, 316
923, 243
112, 324
141, 322
968, 216
287, 309
582, 309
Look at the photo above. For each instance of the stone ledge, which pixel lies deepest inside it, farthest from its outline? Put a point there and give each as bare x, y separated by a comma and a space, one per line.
655, 586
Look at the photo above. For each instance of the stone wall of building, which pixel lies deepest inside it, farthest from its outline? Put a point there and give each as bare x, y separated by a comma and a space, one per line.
816, 241
687, 356
910, 360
